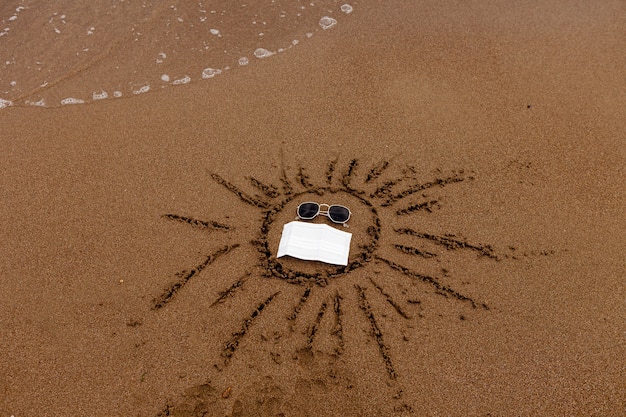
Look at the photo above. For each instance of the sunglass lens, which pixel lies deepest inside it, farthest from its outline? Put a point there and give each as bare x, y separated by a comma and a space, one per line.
308, 210
338, 214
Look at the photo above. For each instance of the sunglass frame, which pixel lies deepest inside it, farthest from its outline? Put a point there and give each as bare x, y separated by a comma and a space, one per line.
323, 212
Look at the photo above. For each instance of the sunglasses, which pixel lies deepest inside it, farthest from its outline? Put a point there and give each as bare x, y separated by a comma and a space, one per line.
336, 213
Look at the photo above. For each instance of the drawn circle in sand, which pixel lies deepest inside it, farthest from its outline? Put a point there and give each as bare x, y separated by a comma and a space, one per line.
364, 224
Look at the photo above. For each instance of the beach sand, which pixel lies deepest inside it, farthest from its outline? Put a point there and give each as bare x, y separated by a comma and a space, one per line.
480, 147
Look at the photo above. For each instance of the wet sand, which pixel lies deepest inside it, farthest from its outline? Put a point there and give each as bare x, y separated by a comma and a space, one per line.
481, 150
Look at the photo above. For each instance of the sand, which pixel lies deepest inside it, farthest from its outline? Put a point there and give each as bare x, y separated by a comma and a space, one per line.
480, 148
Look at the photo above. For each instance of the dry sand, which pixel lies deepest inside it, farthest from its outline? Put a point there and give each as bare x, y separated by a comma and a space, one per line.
500, 123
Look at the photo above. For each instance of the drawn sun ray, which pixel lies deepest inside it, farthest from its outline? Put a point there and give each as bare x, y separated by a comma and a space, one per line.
410, 250
287, 187
199, 224
375, 331
337, 330
376, 171
390, 300
346, 179
303, 178
231, 346
418, 187
258, 202
450, 242
230, 291
267, 189
428, 206
298, 307
372, 194
434, 282
314, 327
330, 171
185, 275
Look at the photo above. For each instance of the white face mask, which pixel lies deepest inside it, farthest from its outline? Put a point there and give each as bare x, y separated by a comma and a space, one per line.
315, 242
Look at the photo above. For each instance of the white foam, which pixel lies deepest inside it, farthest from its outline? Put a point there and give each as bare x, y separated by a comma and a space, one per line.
262, 24
262, 53
142, 90
71, 100
100, 96
5, 103
186, 79
40, 103
210, 72
327, 22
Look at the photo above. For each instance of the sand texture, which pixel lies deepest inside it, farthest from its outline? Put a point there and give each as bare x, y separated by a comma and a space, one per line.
479, 145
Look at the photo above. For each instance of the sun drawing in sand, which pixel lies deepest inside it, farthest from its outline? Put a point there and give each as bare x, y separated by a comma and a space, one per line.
383, 222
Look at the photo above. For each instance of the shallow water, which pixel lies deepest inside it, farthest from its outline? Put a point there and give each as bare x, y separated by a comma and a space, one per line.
71, 52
